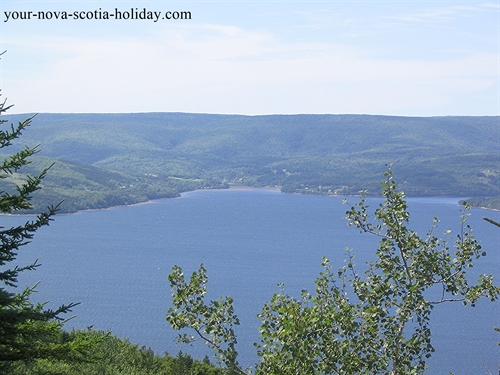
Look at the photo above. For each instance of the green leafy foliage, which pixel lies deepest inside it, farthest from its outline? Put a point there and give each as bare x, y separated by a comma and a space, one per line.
376, 322
213, 323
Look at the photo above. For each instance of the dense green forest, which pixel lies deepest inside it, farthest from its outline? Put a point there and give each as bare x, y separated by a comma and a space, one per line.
114, 356
112, 159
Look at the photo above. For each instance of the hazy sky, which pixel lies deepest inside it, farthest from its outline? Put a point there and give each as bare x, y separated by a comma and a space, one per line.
421, 58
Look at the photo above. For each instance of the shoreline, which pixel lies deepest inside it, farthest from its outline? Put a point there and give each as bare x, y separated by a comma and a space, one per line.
236, 187
150, 201
276, 189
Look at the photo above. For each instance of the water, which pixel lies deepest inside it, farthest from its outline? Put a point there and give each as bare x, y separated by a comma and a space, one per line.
115, 262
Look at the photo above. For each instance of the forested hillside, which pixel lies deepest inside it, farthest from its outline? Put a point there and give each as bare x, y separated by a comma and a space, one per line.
110, 159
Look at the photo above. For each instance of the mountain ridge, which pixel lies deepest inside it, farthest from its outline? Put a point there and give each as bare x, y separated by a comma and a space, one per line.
314, 154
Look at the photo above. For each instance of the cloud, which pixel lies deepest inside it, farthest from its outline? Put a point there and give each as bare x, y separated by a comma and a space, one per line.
227, 69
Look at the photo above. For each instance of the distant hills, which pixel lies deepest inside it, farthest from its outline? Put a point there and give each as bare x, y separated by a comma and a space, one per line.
111, 159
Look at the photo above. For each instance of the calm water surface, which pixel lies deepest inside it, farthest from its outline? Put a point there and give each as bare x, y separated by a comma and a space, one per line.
115, 262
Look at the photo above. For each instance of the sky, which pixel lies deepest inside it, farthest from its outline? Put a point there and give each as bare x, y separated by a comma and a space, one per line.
409, 58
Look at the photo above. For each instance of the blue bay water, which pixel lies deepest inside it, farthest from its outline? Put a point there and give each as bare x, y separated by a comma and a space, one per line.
116, 262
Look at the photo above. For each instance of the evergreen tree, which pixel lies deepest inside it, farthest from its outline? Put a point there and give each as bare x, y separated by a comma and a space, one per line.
27, 330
